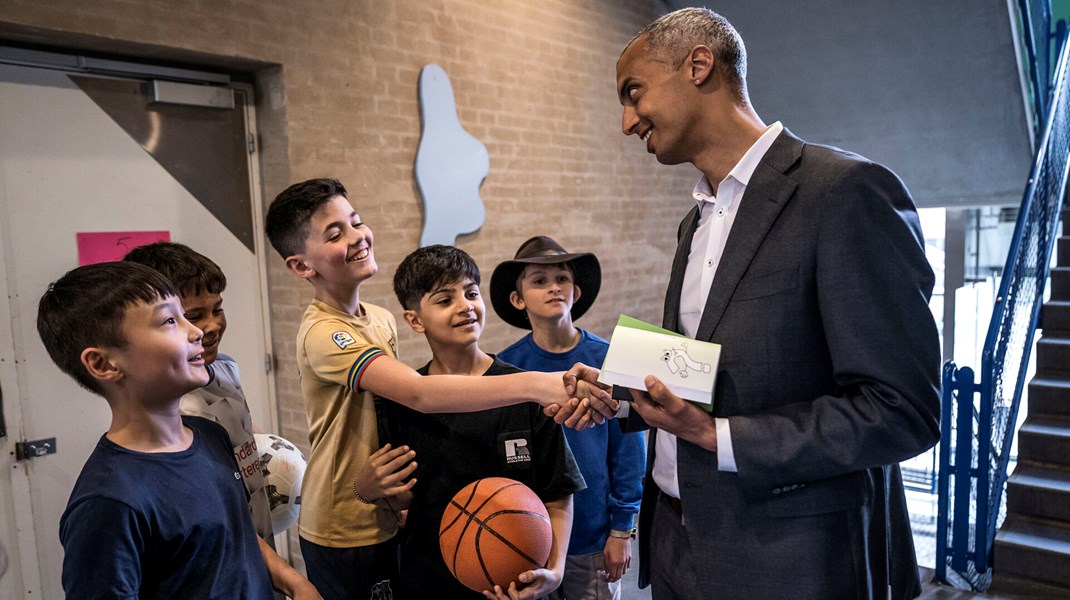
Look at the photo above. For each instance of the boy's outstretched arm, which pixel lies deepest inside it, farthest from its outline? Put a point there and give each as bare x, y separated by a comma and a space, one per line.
540, 582
285, 578
384, 476
391, 378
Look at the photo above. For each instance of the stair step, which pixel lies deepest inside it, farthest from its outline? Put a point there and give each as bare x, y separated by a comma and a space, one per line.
1033, 549
1055, 318
1049, 395
1006, 587
1060, 282
1045, 439
1063, 249
1039, 491
1053, 354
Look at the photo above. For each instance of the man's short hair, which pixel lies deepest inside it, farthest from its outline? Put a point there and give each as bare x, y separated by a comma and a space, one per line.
291, 211
191, 272
429, 268
85, 308
670, 38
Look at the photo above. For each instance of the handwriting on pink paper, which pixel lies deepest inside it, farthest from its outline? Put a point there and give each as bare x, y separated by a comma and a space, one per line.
106, 246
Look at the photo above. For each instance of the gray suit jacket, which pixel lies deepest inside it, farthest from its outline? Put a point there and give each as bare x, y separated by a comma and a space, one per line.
829, 376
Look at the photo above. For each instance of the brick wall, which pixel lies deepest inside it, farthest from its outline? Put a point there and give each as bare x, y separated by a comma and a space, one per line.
337, 97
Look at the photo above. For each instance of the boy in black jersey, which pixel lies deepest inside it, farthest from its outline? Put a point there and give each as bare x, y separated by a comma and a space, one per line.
438, 286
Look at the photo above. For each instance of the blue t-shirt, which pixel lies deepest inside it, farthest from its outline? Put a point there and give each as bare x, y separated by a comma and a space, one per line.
612, 462
162, 525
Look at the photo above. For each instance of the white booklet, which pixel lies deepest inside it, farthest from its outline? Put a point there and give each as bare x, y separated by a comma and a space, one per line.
687, 367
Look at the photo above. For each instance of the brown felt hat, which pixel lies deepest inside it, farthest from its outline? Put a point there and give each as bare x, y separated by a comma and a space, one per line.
541, 250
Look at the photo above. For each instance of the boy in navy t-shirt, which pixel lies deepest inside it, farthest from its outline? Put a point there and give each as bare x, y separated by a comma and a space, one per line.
159, 509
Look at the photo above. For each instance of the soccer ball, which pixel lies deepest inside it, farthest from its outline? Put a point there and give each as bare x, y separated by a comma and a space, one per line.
283, 467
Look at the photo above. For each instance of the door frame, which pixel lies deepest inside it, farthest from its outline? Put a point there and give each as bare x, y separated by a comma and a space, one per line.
18, 530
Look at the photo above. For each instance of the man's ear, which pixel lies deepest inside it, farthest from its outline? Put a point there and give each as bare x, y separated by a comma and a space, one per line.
413, 319
576, 292
100, 366
299, 267
516, 300
701, 63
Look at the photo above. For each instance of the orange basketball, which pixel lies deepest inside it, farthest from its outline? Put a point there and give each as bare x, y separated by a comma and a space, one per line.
493, 530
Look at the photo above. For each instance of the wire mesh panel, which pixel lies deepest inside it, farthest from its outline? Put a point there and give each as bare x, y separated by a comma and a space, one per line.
979, 420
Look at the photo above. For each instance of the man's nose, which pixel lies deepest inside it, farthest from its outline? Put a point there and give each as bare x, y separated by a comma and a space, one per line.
629, 121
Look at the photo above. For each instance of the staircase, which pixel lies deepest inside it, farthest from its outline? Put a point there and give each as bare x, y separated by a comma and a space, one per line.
1032, 547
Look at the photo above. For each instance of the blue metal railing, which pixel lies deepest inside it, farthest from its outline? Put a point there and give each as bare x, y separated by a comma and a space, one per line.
1036, 37
979, 418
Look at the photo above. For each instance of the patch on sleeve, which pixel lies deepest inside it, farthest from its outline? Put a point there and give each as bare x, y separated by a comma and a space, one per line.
342, 339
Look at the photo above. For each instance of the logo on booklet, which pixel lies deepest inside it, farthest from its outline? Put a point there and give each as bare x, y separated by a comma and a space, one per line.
342, 339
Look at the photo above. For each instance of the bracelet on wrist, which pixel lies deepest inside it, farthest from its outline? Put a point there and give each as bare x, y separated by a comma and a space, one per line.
357, 495
623, 533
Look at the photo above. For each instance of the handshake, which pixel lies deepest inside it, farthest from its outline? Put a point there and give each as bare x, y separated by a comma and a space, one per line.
587, 402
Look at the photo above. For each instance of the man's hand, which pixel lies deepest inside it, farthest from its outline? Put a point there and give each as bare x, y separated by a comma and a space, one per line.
616, 558
384, 475
663, 409
537, 583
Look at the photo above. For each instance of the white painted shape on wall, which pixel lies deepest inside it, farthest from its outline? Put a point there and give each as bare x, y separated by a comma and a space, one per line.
450, 164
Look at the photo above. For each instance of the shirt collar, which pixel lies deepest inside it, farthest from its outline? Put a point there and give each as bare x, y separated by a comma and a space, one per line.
743, 170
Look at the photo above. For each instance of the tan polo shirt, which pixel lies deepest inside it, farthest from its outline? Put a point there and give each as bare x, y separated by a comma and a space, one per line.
333, 351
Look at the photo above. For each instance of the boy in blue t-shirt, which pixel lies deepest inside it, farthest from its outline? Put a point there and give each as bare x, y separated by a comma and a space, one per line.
200, 284
545, 289
158, 510
438, 286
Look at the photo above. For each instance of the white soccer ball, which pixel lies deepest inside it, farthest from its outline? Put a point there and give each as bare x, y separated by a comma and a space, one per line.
284, 467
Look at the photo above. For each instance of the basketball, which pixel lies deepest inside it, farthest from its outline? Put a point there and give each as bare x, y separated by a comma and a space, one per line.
493, 530
283, 466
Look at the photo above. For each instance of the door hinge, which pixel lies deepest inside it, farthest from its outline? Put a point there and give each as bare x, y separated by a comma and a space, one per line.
250, 140
269, 362
26, 450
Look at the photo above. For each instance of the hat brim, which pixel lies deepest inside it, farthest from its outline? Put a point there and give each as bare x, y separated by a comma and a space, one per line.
587, 275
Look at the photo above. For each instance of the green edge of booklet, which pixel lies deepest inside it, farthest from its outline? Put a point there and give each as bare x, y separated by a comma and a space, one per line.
633, 323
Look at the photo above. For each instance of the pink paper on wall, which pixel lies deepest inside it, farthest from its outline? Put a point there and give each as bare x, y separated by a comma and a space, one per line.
107, 246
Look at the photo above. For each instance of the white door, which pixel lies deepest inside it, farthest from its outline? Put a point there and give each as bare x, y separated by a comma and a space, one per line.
66, 167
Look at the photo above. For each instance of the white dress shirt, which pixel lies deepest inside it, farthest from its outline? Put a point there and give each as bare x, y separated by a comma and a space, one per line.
717, 211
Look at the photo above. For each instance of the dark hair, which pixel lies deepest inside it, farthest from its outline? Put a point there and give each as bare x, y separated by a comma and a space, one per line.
85, 308
671, 37
290, 212
428, 268
190, 271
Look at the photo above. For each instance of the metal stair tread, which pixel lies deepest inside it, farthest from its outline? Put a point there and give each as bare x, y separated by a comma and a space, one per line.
1051, 380
1048, 426
1041, 477
1035, 534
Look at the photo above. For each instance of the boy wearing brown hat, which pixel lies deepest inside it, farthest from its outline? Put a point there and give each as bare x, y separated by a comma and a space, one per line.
545, 289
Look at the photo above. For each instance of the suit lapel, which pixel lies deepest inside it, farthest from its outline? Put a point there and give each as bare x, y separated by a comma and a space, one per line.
671, 316
767, 192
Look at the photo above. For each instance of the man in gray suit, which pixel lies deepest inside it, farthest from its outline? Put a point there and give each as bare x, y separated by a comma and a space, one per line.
807, 264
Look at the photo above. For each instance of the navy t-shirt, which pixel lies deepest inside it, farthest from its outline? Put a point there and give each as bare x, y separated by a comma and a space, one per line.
162, 525
455, 449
